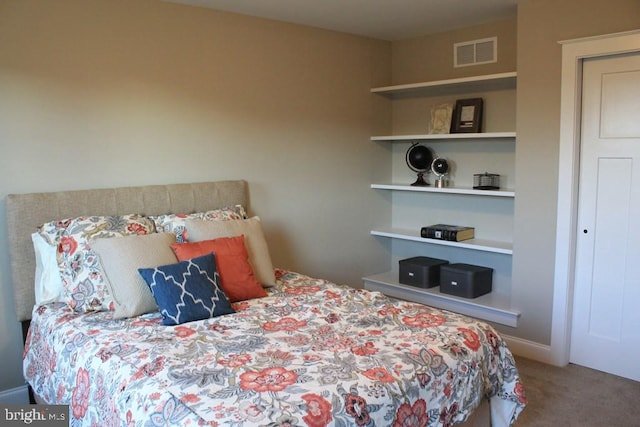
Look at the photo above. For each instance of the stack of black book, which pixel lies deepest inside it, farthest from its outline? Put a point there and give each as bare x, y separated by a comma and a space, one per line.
453, 233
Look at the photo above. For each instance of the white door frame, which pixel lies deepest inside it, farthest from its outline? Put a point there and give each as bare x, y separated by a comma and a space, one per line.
573, 53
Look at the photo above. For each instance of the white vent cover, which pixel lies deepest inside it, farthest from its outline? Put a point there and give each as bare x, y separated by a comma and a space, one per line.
475, 52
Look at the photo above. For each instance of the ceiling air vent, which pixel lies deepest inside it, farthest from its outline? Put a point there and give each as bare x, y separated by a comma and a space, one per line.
475, 52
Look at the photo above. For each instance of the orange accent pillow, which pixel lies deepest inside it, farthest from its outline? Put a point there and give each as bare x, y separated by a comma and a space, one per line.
232, 260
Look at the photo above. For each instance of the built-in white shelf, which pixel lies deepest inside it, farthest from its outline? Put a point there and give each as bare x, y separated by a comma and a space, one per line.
483, 245
500, 81
492, 307
445, 190
445, 136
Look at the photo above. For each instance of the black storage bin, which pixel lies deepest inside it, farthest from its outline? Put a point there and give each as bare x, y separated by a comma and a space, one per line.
421, 271
465, 280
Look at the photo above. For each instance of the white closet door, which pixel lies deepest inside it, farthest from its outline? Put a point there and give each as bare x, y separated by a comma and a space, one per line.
606, 305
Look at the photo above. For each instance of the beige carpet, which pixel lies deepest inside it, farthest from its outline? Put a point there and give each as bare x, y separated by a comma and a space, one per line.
577, 396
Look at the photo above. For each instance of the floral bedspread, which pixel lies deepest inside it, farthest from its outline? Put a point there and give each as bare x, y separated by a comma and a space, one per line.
311, 353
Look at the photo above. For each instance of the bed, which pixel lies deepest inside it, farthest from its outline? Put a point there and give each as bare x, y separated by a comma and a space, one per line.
294, 351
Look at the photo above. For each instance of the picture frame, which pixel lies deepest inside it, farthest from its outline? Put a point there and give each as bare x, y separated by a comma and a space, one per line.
441, 116
467, 116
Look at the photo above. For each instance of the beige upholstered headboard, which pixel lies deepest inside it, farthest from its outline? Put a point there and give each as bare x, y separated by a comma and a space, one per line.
25, 212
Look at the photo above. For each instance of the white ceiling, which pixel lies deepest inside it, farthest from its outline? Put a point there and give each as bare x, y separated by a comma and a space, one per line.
381, 19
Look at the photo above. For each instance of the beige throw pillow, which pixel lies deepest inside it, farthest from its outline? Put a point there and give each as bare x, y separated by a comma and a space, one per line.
121, 257
256, 244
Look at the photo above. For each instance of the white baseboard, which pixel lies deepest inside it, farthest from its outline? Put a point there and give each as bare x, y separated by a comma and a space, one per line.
531, 350
15, 396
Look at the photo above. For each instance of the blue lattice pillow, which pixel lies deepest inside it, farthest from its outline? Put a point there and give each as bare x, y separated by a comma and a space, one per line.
188, 290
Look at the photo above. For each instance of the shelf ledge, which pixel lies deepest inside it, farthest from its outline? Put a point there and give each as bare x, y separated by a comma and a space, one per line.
490, 307
464, 84
445, 190
473, 244
445, 136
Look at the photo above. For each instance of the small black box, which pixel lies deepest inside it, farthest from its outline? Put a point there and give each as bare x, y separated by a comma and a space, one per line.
421, 271
465, 280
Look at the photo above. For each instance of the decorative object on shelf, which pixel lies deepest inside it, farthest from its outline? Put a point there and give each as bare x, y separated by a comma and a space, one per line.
419, 158
420, 271
441, 119
452, 233
465, 280
486, 181
440, 167
467, 117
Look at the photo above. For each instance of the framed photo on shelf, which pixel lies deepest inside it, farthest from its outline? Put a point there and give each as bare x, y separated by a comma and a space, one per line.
467, 117
441, 119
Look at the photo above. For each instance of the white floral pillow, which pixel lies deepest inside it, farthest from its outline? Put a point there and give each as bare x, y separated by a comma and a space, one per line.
175, 223
53, 231
83, 280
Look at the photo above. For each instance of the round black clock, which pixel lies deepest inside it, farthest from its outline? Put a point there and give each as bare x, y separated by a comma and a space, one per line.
440, 167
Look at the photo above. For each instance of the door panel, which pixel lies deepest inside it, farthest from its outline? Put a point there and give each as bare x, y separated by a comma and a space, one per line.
620, 91
607, 291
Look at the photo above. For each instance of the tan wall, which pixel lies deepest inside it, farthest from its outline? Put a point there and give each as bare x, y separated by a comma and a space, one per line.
106, 93
541, 24
535, 33
431, 57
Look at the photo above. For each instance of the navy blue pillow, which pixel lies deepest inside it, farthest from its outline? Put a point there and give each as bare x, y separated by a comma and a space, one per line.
188, 290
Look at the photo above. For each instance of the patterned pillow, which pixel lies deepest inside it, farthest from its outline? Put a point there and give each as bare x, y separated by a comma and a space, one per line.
85, 288
174, 223
188, 290
52, 231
